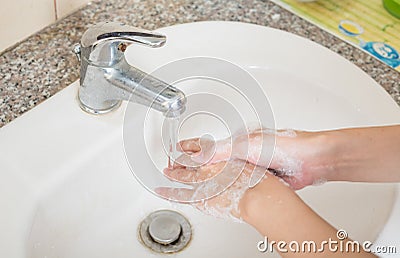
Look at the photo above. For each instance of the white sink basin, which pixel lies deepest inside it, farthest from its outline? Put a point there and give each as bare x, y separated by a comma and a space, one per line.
66, 189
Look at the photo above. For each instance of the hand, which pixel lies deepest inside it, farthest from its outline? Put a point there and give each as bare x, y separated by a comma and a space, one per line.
300, 158
201, 151
228, 204
223, 205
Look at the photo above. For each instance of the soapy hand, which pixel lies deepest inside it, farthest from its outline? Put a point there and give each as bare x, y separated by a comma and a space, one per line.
298, 157
224, 205
201, 151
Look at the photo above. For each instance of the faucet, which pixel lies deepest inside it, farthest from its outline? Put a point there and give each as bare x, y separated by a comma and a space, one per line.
107, 79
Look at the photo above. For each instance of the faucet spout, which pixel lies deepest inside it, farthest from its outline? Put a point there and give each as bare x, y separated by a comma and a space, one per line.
107, 79
134, 85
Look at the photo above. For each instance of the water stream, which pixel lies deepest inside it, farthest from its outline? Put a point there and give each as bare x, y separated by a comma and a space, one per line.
172, 128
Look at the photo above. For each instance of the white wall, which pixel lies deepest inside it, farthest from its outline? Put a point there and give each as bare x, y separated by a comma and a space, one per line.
21, 18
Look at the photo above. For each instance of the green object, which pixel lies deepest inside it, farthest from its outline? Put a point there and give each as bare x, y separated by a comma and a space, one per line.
393, 7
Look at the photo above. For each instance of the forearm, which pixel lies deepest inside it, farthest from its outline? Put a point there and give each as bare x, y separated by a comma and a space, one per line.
365, 154
370, 154
279, 214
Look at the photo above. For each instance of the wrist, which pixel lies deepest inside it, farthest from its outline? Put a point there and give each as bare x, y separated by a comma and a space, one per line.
327, 160
352, 153
309, 157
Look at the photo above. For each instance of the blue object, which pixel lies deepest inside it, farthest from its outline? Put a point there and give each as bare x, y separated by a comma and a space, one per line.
383, 52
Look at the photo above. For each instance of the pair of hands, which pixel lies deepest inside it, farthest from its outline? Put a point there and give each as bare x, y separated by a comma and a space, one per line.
297, 160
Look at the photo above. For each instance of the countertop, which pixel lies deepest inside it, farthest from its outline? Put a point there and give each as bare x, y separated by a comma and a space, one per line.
43, 64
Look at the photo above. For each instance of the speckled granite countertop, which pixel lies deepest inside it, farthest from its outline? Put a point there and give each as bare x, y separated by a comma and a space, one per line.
43, 64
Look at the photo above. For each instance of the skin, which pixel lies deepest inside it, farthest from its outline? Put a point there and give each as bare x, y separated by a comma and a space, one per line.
365, 154
277, 212
358, 155
339, 155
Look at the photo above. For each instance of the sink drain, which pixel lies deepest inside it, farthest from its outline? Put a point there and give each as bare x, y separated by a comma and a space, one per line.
165, 231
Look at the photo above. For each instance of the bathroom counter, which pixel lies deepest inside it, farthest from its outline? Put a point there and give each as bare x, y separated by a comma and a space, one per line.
43, 64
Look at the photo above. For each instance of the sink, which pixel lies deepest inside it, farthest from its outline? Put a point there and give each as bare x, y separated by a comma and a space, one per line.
67, 189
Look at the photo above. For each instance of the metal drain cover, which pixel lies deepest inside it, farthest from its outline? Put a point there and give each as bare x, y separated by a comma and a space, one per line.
165, 231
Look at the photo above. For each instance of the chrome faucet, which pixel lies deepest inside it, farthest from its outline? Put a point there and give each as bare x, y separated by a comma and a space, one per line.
107, 78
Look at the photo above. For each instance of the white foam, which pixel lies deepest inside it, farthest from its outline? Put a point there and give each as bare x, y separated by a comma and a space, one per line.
226, 204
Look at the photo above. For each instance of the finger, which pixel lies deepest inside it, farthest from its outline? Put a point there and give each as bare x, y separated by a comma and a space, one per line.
190, 145
197, 152
175, 194
211, 170
183, 195
207, 153
185, 160
181, 175
177, 164
200, 174
259, 130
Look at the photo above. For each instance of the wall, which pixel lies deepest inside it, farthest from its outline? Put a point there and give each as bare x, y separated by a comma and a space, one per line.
21, 18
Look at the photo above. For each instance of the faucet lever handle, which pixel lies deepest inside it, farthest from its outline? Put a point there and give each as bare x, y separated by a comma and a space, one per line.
150, 39
115, 31
101, 42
